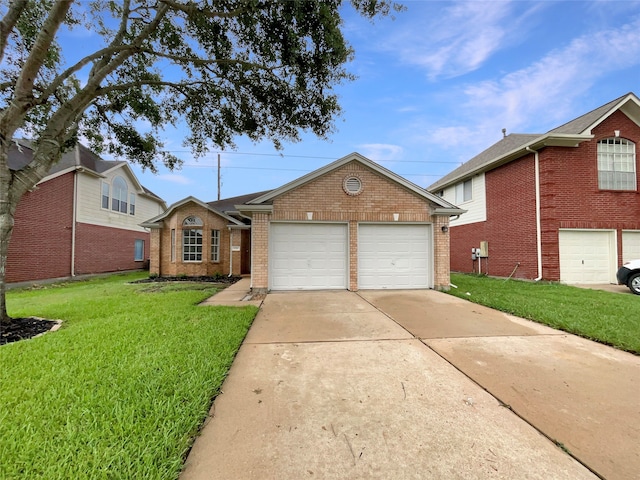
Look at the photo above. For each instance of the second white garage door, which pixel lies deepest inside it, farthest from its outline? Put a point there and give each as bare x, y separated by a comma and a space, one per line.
394, 256
308, 256
630, 245
587, 256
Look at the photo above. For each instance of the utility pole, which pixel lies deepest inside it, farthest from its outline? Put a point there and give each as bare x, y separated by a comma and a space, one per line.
218, 176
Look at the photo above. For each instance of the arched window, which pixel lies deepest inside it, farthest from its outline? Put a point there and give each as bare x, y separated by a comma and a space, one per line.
120, 195
616, 164
192, 239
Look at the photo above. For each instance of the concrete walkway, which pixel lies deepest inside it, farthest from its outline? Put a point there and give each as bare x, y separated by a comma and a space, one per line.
339, 385
235, 295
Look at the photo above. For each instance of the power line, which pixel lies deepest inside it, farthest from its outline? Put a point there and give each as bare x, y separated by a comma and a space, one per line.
292, 170
308, 157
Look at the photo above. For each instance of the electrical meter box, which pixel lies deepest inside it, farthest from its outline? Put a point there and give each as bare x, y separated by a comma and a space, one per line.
484, 249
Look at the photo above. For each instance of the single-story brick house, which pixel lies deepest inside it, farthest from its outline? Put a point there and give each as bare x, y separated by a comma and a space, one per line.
349, 225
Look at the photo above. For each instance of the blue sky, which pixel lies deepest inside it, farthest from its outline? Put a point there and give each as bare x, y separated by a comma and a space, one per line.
436, 86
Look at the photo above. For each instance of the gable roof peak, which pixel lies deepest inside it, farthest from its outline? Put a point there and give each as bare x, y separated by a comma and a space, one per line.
355, 156
585, 123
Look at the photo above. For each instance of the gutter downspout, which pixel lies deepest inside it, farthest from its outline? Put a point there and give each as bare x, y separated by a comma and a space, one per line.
538, 221
230, 252
74, 213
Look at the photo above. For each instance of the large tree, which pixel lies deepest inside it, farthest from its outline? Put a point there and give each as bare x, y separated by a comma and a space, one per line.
260, 68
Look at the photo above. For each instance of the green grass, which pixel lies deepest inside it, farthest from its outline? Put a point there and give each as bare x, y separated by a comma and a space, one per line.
121, 389
610, 318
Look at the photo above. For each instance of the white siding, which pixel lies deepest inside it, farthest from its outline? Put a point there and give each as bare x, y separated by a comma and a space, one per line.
476, 207
89, 207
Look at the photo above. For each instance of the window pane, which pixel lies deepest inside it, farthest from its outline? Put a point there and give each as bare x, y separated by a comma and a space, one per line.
120, 195
132, 204
173, 245
215, 245
105, 195
139, 250
616, 164
192, 245
468, 190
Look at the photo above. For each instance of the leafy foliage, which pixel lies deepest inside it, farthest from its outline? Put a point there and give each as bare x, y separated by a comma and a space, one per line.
260, 68
264, 69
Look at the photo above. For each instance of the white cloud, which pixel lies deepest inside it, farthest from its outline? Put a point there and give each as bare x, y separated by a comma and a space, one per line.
175, 178
448, 42
381, 151
550, 87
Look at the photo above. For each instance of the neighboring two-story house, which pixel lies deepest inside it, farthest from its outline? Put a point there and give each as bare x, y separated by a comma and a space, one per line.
562, 206
82, 218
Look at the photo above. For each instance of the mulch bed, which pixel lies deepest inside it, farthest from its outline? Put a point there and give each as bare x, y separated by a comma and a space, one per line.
24, 328
214, 279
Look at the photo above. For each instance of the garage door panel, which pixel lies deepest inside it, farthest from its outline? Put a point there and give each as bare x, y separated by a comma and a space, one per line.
630, 245
394, 256
308, 256
587, 256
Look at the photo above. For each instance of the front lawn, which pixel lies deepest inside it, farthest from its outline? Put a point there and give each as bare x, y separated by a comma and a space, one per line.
122, 388
610, 318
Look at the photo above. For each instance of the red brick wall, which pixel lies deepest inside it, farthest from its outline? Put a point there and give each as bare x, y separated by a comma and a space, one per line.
326, 199
161, 263
40, 246
510, 228
105, 249
570, 198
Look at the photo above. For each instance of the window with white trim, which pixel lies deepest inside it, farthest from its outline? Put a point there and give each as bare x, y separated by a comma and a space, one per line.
120, 194
105, 195
464, 191
616, 164
138, 255
215, 245
132, 204
173, 245
192, 239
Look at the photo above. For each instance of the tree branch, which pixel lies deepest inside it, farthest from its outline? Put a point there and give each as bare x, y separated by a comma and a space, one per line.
9, 21
160, 83
24, 85
193, 9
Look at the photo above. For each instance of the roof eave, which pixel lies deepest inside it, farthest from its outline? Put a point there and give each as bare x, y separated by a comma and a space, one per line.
249, 209
448, 211
546, 140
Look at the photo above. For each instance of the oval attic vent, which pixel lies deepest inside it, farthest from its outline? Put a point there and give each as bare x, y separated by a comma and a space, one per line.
352, 185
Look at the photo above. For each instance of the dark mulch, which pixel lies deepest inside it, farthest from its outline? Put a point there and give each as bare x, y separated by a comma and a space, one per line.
213, 279
24, 328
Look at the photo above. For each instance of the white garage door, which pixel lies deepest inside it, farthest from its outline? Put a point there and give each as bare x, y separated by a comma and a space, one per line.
394, 256
630, 245
308, 256
587, 256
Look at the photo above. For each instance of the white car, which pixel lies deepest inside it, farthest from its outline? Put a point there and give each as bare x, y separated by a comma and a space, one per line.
629, 275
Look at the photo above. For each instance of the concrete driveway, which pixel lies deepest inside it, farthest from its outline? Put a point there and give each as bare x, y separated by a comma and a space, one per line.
416, 384
583, 395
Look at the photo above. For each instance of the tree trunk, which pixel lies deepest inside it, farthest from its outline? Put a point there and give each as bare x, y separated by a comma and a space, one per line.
7, 211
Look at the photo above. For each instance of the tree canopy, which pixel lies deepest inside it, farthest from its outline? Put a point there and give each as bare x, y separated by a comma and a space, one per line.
265, 69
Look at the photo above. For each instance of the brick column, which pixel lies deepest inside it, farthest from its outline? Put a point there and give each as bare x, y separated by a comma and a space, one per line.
155, 250
442, 266
260, 251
